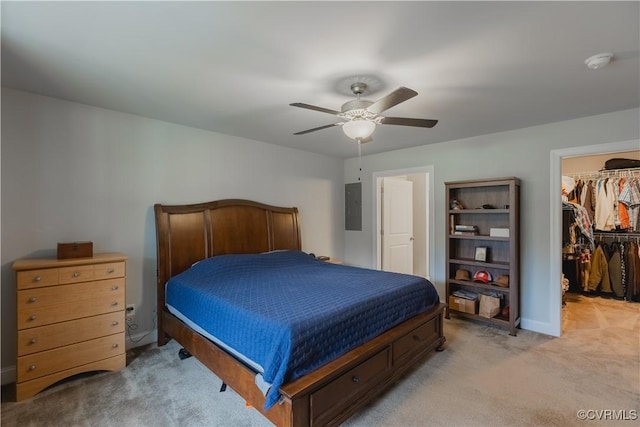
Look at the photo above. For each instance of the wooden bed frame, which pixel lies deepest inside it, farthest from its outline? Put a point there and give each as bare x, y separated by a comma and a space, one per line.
326, 396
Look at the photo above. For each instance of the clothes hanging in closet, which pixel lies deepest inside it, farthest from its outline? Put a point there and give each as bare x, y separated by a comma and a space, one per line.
614, 270
611, 203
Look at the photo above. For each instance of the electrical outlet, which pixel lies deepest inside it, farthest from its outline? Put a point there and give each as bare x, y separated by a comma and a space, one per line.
130, 311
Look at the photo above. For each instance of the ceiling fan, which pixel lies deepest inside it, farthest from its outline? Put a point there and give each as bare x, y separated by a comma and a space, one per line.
361, 116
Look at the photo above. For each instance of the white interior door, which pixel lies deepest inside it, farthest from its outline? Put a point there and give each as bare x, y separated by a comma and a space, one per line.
397, 225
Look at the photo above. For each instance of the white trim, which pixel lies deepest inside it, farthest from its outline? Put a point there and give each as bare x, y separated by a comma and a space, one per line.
140, 339
8, 375
427, 169
555, 223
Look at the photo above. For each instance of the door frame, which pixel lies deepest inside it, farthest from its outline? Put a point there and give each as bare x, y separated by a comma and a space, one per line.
375, 209
555, 228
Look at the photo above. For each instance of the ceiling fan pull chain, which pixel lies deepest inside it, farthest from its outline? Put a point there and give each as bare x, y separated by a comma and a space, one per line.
359, 158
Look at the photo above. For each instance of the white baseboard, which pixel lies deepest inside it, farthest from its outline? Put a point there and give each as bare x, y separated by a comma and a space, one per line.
536, 326
8, 374
140, 339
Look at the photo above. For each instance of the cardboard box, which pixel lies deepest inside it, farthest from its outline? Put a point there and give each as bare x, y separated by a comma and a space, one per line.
463, 305
75, 250
499, 232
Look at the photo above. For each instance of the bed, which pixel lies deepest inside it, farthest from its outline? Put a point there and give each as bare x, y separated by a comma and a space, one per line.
226, 232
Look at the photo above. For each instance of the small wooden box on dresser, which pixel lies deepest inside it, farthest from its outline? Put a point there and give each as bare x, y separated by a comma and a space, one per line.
491, 207
71, 319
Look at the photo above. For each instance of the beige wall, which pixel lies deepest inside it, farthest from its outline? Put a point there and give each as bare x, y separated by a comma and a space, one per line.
594, 163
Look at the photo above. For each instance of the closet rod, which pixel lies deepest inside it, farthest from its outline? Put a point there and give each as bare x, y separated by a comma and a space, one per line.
626, 235
606, 173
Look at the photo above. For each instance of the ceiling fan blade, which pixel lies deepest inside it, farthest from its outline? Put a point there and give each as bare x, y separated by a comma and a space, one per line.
404, 121
394, 98
314, 108
318, 128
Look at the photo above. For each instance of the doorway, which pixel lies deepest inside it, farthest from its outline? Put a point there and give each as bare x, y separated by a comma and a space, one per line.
422, 218
555, 229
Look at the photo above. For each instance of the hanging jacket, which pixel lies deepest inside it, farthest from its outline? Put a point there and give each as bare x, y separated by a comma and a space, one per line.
615, 271
599, 274
632, 292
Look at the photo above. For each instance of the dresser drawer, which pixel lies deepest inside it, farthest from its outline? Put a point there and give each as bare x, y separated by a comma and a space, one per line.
37, 278
32, 317
412, 341
108, 271
76, 274
50, 361
60, 334
328, 401
41, 297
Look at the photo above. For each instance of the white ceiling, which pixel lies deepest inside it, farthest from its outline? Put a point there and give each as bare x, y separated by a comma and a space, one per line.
234, 67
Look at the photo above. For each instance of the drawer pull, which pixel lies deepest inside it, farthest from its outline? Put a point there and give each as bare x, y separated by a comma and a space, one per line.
110, 271
355, 379
416, 338
113, 304
114, 323
33, 341
32, 367
76, 274
37, 278
32, 317
33, 299
114, 288
114, 345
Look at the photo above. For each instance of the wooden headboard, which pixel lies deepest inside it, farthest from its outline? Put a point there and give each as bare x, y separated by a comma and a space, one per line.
189, 233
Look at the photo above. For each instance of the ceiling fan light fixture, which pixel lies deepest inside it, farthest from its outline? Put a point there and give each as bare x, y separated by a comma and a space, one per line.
358, 129
598, 61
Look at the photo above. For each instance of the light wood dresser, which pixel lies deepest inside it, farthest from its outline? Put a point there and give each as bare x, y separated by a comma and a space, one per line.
71, 319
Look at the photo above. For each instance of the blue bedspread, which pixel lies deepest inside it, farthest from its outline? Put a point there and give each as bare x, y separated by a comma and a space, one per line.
291, 313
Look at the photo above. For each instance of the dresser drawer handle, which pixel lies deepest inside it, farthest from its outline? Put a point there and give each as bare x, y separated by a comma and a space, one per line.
32, 367
114, 287
76, 274
114, 345
114, 323
37, 278
32, 317
355, 379
113, 304
33, 341
33, 299
416, 338
111, 270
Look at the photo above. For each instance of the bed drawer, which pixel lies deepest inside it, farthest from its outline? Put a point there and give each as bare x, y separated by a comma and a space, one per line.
328, 401
415, 340
48, 362
47, 337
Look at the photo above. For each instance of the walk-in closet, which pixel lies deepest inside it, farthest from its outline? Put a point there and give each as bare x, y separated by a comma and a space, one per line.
600, 239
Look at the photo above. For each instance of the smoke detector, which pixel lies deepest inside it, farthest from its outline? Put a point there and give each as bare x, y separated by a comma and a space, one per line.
598, 61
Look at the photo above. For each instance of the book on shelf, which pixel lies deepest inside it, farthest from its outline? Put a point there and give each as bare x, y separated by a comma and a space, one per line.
466, 233
462, 227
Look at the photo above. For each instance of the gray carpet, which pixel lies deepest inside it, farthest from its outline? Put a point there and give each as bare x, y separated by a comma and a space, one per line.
484, 378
